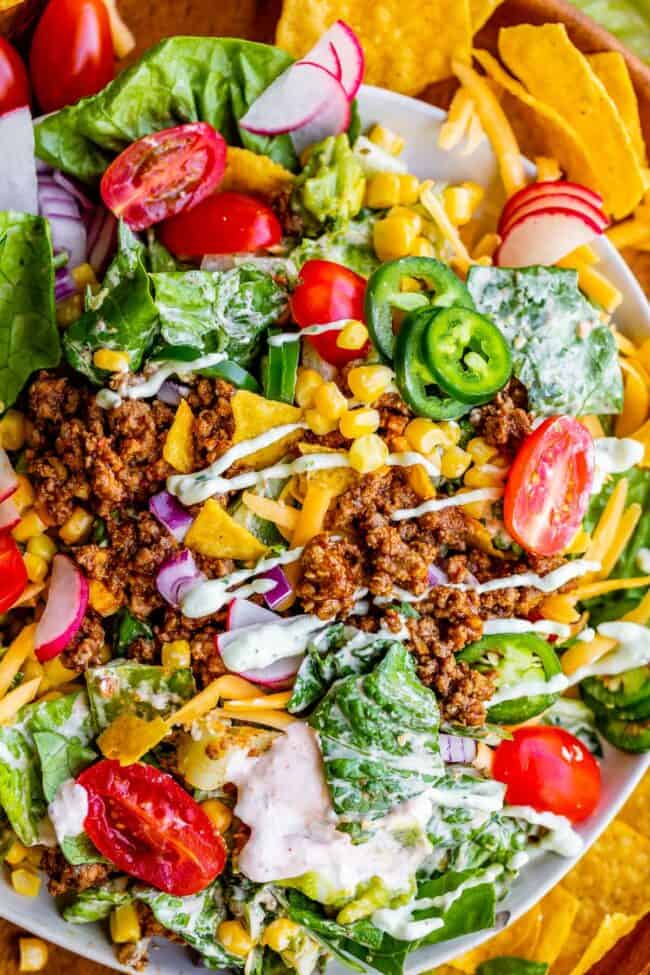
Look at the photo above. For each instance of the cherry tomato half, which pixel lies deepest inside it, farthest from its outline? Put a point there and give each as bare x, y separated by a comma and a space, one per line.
13, 575
549, 485
72, 52
141, 820
166, 172
225, 223
550, 770
329, 292
14, 84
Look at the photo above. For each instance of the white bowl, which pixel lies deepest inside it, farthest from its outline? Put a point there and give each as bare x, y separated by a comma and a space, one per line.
418, 123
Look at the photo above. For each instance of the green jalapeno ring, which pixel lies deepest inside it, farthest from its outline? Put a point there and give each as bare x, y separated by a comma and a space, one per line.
412, 376
467, 354
383, 294
629, 736
623, 691
280, 369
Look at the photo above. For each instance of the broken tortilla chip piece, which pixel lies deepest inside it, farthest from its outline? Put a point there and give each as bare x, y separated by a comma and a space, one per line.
611, 68
179, 443
480, 11
129, 737
612, 928
559, 909
635, 810
557, 73
254, 415
515, 941
249, 172
407, 44
215, 534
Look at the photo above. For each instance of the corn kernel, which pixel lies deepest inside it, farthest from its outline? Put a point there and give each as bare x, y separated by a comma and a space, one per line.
409, 189
460, 203
235, 938
358, 423
43, 546
352, 336
70, 310
219, 814
307, 382
25, 882
111, 360
486, 475
23, 496
422, 248
386, 139
319, 424
84, 275
408, 214
55, 674
393, 238
77, 528
16, 853
368, 383
368, 453
383, 190
35, 856
425, 435
13, 430
451, 431
280, 933
454, 462
330, 401
29, 525
33, 954
37, 568
125, 924
102, 599
481, 451
176, 655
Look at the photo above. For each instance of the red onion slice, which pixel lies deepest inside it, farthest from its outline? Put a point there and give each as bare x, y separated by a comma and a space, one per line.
282, 589
171, 513
71, 187
436, 577
64, 611
172, 392
18, 184
176, 577
457, 749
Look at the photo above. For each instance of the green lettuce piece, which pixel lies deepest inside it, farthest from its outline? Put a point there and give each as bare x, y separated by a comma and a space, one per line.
141, 689
329, 191
379, 737
29, 338
126, 629
181, 79
97, 903
562, 352
219, 310
351, 246
629, 20
507, 965
60, 759
80, 849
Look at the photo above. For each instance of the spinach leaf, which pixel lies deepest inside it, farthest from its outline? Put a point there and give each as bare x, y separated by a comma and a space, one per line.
140, 689
351, 246
29, 338
561, 350
97, 903
379, 737
181, 79
126, 629
213, 310
507, 965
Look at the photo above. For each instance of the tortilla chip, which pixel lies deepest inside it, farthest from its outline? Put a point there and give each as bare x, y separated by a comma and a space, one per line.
635, 810
516, 941
215, 534
613, 927
556, 72
179, 443
613, 877
255, 415
481, 11
407, 44
559, 909
248, 172
129, 737
611, 68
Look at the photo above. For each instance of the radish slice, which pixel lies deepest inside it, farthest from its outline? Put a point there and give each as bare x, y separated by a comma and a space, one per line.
333, 118
18, 185
324, 54
8, 479
64, 611
544, 237
243, 612
348, 49
298, 95
536, 191
9, 515
563, 200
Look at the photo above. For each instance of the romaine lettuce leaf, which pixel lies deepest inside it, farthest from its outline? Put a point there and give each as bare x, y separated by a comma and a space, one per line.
140, 689
629, 20
351, 246
97, 903
508, 965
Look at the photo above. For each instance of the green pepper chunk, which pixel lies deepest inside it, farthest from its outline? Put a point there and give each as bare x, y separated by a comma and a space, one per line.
467, 354
233, 373
516, 658
280, 370
416, 384
384, 293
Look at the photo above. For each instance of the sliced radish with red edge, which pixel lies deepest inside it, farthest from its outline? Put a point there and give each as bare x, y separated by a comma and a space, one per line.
9, 515
332, 119
562, 200
544, 237
244, 614
64, 611
8, 479
535, 191
292, 100
347, 51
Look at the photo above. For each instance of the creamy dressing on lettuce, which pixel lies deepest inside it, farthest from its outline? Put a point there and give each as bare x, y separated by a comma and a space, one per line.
261, 644
614, 455
68, 810
150, 386
515, 625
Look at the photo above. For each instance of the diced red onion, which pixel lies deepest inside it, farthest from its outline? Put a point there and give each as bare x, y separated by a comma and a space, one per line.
64, 285
282, 589
72, 188
172, 392
176, 577
436, 577
105, 240
457, 749
170, 513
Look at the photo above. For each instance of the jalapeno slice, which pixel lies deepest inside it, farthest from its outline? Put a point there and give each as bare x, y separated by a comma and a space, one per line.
233, 373
632, 712
416, 384
280, 370
627, 690
629, 736
516, 658
384, 293
467, 354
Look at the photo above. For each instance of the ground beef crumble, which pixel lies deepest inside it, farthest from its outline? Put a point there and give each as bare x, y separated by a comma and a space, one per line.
68, 879
505, 421
87, 645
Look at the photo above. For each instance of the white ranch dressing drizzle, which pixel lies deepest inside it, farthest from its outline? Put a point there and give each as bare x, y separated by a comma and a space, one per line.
438, 504
68, 810
561, 837
285, 337
530, 688
614, 455
261, 644
108, 398
514, 625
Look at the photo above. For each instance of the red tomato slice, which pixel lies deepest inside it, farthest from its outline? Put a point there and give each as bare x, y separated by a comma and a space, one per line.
72, 52
13, 575
14, 84
550, 770
329, 292
225, 223
150, 828
549, 485
164, 173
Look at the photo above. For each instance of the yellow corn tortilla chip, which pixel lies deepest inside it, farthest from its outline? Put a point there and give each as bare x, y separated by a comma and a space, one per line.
481, 11
635, 810
517, 940
129, 737
215, 534
407, 44
179, 443
613, 927
559, 909
255, 415
612, 878
248, 172
611, 68
556, 72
